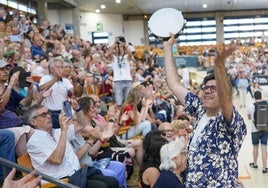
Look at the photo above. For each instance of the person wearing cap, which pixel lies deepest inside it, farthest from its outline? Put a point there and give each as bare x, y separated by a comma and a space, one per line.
9, 120
6, 88
259, 137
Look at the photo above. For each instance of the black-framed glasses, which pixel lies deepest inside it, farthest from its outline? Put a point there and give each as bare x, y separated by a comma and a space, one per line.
43, 115
212, 88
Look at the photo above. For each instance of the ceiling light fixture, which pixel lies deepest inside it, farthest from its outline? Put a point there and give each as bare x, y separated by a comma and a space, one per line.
118, 1
102, 6
205, 5
97, 10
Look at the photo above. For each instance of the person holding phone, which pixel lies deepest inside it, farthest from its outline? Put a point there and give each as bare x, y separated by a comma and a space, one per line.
21, 95
9, 120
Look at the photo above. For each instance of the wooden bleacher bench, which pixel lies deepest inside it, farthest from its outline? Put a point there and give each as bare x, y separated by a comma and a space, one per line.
25, 161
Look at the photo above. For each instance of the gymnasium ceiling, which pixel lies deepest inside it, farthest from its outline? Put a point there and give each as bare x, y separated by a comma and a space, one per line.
140, 7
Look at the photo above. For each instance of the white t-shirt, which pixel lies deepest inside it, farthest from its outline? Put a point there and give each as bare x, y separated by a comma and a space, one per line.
41, 145
59, 92
200, 127
121, 69
251, 110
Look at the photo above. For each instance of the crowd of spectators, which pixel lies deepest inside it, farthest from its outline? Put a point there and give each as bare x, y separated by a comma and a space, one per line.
113, 87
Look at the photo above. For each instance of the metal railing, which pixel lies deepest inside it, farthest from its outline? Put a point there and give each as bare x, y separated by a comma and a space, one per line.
6, 163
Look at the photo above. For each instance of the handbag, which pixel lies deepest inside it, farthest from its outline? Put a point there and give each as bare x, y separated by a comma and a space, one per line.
81, 176
115, 143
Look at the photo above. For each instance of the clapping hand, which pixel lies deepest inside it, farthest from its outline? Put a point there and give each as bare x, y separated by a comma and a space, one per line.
108, 132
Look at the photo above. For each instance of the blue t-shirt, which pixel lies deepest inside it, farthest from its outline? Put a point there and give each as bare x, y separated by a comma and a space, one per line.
37, 50
14, 100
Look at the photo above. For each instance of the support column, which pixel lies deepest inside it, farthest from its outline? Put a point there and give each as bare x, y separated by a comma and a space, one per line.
76, 21
146, 35
219, 28
42, 11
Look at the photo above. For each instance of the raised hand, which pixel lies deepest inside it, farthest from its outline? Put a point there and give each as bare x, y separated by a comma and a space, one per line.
170, 42
124, 117
30, 80
21, 183
74, 103
225, 52
14, 79
108, 132
46, 92
64, 122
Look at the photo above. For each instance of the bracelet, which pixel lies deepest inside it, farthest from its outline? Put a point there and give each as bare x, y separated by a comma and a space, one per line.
87, 142
101, 141
77, 110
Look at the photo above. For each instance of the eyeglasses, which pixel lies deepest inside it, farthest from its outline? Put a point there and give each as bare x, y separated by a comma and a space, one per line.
167, 131
212, 88
59, 67
43, 115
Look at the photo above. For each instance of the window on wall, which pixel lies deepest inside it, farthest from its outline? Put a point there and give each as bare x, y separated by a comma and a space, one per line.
195, 32
199, 32
244, 28
100, 37
18, 6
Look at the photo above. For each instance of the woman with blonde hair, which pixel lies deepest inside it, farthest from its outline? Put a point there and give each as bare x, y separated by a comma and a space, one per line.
173, 163
136, 122
180, 129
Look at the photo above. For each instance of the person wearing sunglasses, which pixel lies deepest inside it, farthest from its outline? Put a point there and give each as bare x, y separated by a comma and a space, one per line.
219, 130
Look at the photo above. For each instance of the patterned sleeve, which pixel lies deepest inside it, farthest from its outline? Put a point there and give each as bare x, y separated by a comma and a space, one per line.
193, 105
237, 126
237, 129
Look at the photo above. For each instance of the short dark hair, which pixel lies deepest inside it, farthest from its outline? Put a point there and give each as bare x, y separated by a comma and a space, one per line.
257, 95
208, 78
86, 103
212, 77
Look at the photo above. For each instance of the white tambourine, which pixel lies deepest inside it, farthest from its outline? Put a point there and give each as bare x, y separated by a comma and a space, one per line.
164, 21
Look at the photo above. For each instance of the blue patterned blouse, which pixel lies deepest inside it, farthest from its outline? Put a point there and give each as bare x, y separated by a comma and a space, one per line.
212, 161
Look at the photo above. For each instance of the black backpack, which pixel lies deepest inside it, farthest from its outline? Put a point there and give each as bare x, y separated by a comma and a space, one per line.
261, 115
